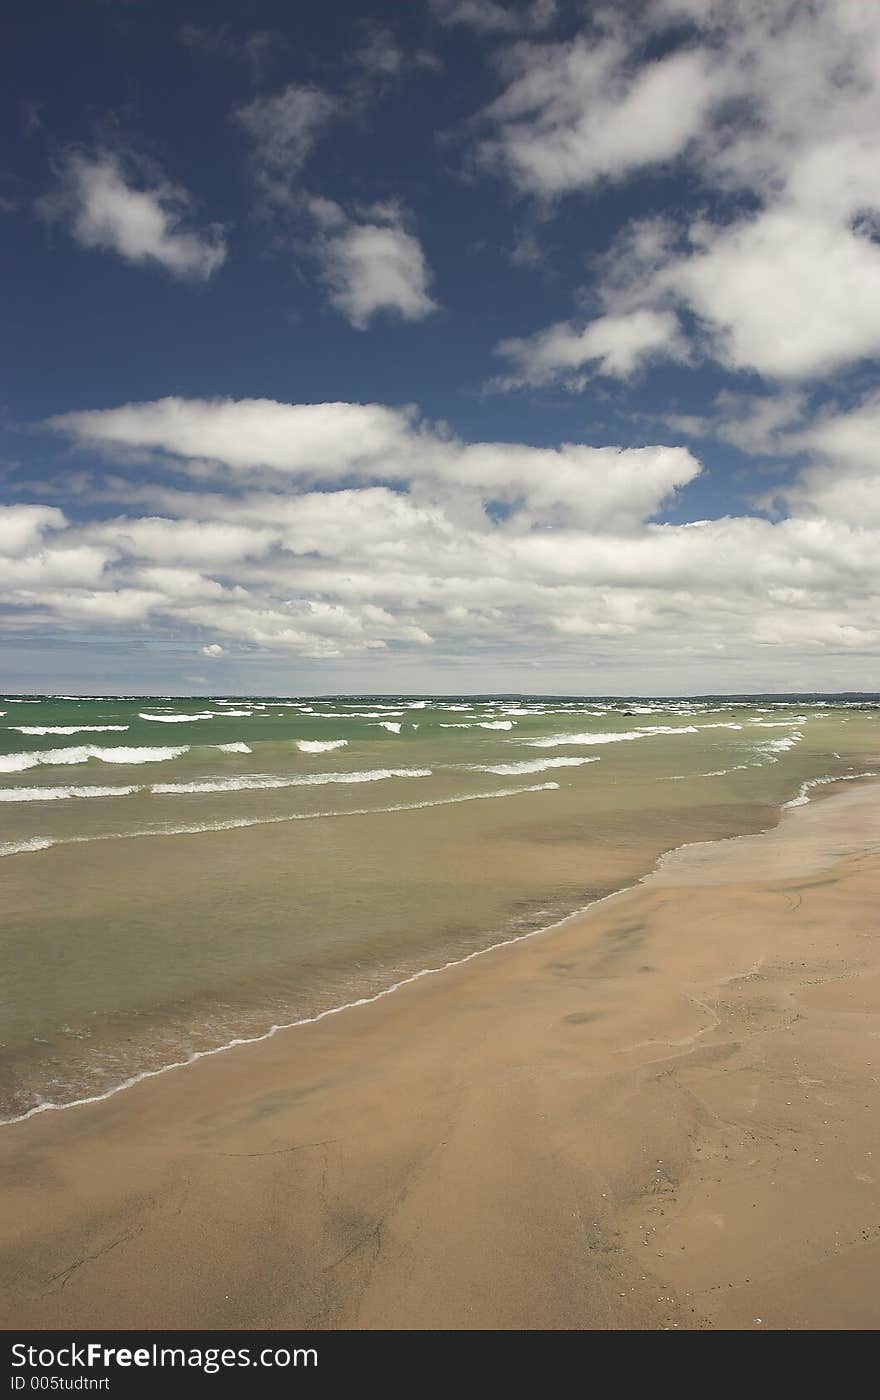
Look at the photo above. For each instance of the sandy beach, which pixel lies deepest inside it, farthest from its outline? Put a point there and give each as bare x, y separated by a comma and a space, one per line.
662, 1114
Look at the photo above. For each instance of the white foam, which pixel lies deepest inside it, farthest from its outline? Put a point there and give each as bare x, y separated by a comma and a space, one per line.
390, 725
803, 796
721, 724
59, 794
495, 724
320, 745
262, 781
355, 714
773, 746
779, 723
41, 843
715, 773
186, 719
18, 762
15, 848
537, 765
237, 747
68, 728
555, 741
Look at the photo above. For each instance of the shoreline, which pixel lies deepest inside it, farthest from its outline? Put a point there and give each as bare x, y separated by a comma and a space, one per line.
387, 1071
242, 1042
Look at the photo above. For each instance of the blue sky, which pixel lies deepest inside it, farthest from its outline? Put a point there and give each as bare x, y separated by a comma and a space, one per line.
449, 346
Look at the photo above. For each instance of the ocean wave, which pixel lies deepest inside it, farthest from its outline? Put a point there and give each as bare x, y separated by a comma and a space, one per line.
35, 843
320, 745
267, 781
495, 724
774, 746
555, 741
392, 726
355, 714
186, 719
779, 723
236, 747
19, 762
803, 796
60, 794
68, 728
715, 773
536, 765
42, 843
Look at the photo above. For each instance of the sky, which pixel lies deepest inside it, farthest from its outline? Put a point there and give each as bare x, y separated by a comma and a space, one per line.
447, 347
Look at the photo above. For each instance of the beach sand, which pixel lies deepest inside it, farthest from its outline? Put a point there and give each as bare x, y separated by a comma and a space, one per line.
662, 1114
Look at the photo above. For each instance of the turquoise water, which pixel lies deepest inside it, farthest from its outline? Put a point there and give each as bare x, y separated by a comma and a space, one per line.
177, 873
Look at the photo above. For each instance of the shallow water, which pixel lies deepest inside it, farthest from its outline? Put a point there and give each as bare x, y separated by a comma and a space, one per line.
176, 873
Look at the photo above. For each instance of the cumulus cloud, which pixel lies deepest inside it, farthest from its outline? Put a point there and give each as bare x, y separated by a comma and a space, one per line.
580, 111
609, 345
371, 264
370, 260
842, 480
354, 530
324, 439
774, 110
785, 294
283, 130
330, 442
491, 17
144, 220
23, 527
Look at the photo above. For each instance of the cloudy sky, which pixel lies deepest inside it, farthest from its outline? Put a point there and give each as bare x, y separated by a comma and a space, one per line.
447, 346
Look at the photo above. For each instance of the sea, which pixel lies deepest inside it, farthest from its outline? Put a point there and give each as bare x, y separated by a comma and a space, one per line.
178, 875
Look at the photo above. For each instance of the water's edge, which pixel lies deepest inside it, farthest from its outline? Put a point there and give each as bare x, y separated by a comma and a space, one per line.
826, 785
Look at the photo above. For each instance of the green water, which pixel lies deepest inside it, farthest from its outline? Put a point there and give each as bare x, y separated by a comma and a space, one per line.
180, 873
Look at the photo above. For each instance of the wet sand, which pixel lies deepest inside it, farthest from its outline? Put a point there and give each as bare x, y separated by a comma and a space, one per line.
662, 1114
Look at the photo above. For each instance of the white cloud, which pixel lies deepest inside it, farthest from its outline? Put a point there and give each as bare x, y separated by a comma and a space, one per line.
372, 264
283, 130
758, 423
843, 479
506, 549
367, 571
609, 345
578, 112
22, 527
109, 208
165, 541
324, 439
777, 103
788, 295
213, 649
850, 439
491, 17
329, 442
